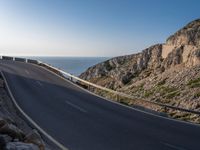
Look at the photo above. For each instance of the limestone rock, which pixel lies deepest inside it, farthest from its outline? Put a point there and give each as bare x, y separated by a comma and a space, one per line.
12, 131
20, 146
35, 138
4, 139
168, 72
181, 48
188, 35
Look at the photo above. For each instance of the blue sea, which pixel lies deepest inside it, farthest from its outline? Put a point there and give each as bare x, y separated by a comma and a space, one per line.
73, 65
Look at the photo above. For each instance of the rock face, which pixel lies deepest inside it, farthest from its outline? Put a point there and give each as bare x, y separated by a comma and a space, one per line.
189, 35
125, 68
154, 64
181, 48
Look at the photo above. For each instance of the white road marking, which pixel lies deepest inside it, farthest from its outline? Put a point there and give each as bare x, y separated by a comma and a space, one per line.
173, 146
30, 119
27, 71
38, 82
75, 106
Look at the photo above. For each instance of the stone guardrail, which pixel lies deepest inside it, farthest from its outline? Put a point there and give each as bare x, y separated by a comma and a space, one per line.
7, 57
19, 59
75, 79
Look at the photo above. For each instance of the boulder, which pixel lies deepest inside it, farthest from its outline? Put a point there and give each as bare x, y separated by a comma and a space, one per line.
12, 131
2, 122
35, 138
20, 146
3, 140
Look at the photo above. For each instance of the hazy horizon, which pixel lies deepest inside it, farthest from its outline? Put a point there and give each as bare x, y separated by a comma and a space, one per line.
89, 28
62, 56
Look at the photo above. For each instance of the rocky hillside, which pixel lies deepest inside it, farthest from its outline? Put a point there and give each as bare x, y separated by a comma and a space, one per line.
168, 73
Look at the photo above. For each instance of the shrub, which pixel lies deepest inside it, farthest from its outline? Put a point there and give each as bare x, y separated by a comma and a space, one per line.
172, 94
197, 95
194, 83
148, 93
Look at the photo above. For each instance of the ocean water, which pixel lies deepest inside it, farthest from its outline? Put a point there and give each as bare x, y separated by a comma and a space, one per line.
73, 65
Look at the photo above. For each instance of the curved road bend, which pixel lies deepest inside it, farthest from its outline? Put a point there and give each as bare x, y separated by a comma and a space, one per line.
82, 121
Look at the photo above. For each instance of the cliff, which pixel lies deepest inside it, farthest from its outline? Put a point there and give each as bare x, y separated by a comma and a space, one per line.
167, 73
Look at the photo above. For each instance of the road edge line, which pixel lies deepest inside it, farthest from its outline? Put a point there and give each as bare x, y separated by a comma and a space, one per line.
49, 137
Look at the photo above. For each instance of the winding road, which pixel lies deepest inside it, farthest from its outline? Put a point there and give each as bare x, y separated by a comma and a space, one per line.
82, 121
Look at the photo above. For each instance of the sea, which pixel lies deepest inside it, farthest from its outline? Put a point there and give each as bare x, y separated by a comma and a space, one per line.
73, 65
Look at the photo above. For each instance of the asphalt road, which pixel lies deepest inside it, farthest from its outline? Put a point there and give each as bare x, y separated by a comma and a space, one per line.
82, 121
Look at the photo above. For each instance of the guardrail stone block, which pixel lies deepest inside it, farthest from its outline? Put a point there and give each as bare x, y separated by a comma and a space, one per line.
7, 58
32, 61
20, 59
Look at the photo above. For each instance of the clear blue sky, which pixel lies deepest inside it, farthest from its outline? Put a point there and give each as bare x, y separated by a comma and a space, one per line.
89, 27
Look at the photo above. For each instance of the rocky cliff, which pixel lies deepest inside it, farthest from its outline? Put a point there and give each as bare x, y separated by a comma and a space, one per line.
166, 72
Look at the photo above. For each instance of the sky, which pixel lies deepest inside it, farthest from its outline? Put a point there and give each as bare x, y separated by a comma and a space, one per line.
89, 27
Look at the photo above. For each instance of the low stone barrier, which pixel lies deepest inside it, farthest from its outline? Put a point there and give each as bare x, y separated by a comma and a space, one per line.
7, 58
32, 61
20, 59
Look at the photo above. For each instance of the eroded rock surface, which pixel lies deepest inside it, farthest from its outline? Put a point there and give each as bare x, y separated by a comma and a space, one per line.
170, 69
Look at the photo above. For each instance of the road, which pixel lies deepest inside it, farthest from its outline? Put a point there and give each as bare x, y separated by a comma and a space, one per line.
82, 121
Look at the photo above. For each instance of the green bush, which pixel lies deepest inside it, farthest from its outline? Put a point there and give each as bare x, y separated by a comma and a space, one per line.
172, 94
140, 87
148, 93
197, 95
165, 89
194, 83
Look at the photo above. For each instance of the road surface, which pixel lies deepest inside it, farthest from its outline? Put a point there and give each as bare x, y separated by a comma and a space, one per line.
82, 121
